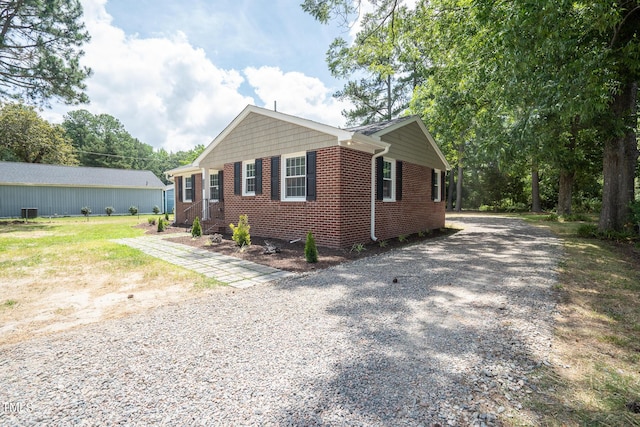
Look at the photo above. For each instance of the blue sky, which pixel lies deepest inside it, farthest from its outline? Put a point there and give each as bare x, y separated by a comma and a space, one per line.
175, 75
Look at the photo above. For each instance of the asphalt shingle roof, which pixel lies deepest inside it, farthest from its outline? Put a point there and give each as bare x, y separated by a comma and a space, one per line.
39, 174
372, 128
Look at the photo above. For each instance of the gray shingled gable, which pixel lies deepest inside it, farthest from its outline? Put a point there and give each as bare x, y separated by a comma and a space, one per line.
372, 128
39, 174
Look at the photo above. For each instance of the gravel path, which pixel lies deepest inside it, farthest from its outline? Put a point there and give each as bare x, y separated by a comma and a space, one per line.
453, 342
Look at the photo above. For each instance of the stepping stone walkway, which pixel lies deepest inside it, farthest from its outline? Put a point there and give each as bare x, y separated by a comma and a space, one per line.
229, 270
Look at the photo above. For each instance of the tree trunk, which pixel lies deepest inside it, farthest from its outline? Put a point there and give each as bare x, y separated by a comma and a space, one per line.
565, 194
459, 189
619, 162
450, 192
535, 189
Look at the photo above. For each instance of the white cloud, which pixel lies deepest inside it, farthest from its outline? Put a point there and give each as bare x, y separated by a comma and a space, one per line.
296, 94
169, 94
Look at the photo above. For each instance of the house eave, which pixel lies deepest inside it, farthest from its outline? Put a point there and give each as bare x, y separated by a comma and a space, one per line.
367, 144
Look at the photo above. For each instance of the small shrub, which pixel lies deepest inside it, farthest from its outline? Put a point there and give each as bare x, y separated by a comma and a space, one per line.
109, 210
551, 218
402, 238
383, 243
216, 238
156, 210
310, 249
576, 217
161, 225
587, 231
241, 232
357, 247
151, 221
86, 211
196, 228
133, 210
166, 216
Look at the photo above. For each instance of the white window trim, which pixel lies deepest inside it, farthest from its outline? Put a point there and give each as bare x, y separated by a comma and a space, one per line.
393, 180
244, 177
283, 176
212, 173
184, 189
438, 175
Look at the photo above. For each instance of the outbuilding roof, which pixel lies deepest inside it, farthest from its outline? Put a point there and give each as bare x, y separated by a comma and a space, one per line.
55, 175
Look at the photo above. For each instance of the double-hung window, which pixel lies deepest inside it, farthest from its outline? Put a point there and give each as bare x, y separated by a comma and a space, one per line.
388, 179
294, 177
188, 189
437, 185
214, 186
249, 178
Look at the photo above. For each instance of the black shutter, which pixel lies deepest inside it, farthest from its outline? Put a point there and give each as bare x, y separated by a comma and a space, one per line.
193, 188
179, 196
220, 187
275, 178
237, 177
258, 164
433, 184
311, 175
379, 178
398, 180
442, 187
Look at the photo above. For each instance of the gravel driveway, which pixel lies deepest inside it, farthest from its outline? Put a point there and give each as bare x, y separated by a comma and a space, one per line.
453, 342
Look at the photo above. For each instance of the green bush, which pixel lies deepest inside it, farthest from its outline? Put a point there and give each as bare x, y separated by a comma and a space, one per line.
133, 210
156, 210
86, 211
551, 218
241, 232
196, 228
576, 217
587, 231
109, 210
310, 249
166, 216
151, 221
161, 224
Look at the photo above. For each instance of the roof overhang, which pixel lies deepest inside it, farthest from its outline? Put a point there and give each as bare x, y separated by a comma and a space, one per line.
360, 142
182, 170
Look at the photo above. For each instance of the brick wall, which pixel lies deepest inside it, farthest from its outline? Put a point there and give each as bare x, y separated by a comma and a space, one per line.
415, 212
197, 196
340, 215
291, 220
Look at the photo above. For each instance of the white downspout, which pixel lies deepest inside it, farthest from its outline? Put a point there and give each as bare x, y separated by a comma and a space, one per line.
205, 206
373, 191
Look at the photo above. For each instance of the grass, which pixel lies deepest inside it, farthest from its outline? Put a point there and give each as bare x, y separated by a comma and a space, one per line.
596, 377
69, 268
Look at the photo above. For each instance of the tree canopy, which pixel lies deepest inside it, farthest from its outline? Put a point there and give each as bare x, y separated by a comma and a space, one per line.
40, 50
548, 86
26, 137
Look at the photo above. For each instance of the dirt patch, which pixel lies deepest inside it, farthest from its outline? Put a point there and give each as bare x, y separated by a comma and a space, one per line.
291, 255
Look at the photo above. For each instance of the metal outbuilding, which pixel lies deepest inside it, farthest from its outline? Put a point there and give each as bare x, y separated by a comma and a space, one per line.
52, 190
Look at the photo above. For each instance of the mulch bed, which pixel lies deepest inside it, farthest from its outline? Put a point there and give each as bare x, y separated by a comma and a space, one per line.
291, 255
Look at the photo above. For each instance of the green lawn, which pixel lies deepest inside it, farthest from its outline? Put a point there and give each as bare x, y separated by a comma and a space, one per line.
596, 381
63, 270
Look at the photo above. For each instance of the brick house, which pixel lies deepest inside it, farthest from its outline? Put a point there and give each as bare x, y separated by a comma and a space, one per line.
291, 175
